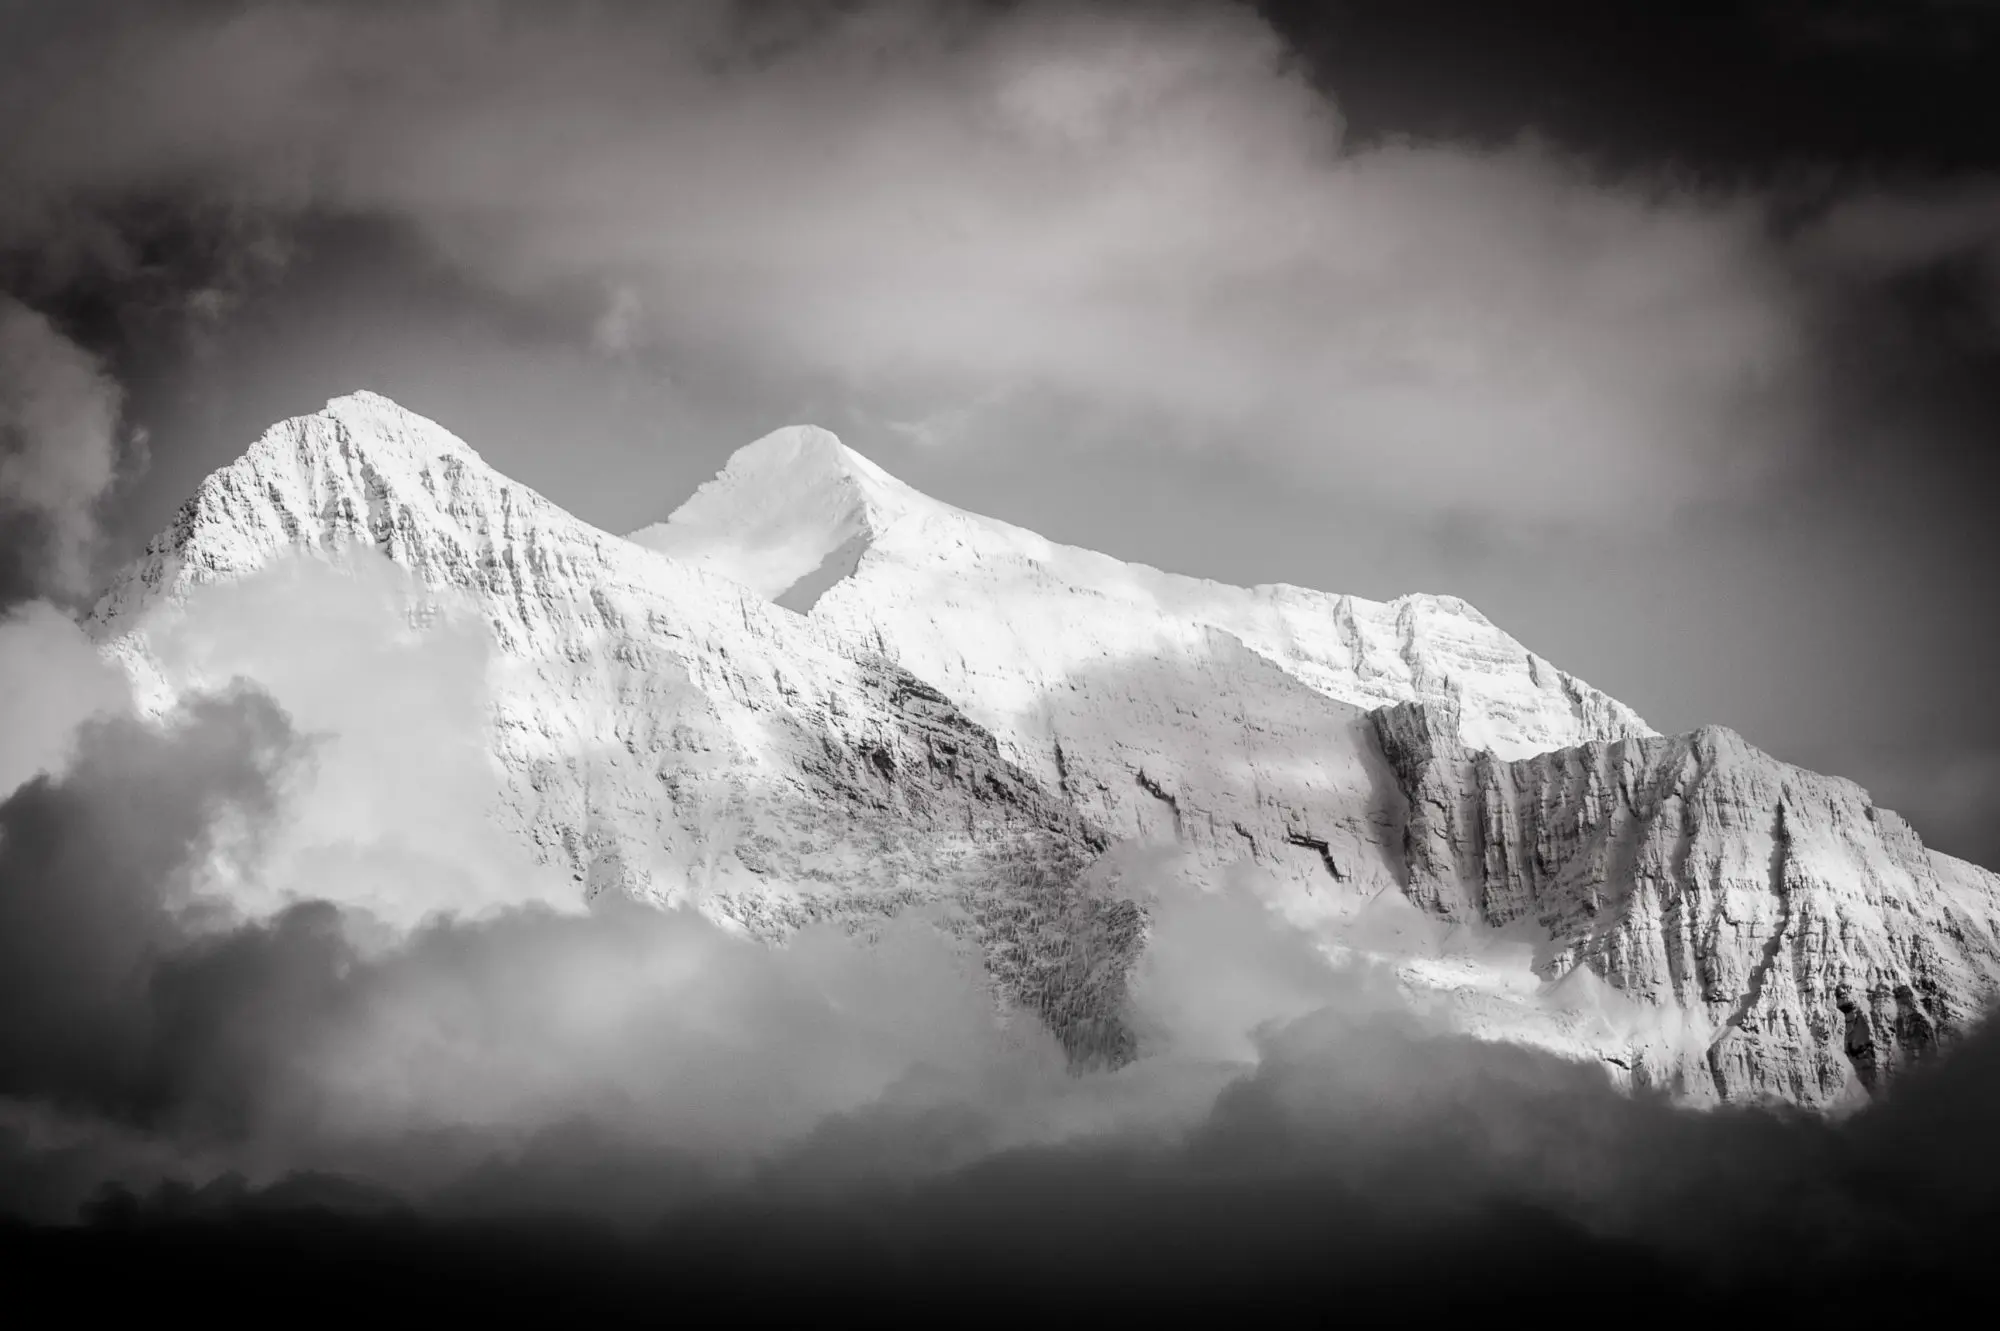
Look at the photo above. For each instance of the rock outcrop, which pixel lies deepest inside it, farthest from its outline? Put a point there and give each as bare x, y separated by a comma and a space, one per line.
1807, 938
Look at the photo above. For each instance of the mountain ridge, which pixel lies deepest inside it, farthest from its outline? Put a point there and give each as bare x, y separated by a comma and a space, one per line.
813, 689
723, 528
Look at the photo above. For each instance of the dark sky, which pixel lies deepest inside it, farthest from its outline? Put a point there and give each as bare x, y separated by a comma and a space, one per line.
1669, 336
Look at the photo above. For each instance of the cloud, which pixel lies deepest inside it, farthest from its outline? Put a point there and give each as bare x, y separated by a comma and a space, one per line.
392, 807
1878, 236
275, 921
851, 1109
1886, 230
51, 680
95, 883
1146, 218
58, 451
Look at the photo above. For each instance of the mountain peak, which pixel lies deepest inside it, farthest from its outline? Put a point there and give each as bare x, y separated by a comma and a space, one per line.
360, 399
796, 445
361, 468
380, 423
354, 429
783, 509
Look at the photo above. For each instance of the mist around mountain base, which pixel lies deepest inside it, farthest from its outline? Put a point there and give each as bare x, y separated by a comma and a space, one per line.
278, 1006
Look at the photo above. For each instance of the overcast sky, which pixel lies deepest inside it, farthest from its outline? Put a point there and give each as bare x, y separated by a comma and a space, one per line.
1673, 344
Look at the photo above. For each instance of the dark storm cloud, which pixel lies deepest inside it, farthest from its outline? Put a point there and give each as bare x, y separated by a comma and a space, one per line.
1936, 28
1890, 230
1754, 90
93, 881
1362, 1154
1944, 236
99, 297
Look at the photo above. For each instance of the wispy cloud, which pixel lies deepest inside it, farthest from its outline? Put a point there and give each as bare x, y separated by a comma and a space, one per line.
58, 453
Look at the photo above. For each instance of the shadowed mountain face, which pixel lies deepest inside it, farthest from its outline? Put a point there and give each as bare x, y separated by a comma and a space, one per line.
1804, 937
812, 691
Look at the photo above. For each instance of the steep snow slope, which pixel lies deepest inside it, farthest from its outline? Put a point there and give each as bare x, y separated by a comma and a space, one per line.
1694, 911
654, 730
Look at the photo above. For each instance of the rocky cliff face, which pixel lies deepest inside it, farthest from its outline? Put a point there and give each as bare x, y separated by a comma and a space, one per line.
814, 691
1805, 938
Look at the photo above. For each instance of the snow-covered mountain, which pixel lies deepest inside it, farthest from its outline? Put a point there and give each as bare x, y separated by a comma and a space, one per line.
1231, 719
1782, 935
654, 730
814, 690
